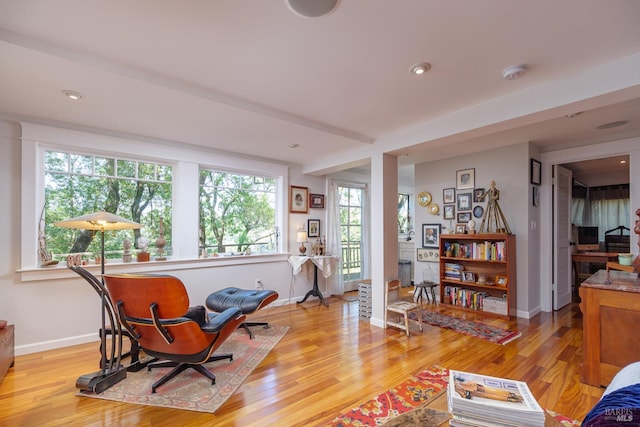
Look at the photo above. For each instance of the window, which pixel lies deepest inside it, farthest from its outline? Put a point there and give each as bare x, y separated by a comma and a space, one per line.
78, 184
351, 203
404, 220
237, 213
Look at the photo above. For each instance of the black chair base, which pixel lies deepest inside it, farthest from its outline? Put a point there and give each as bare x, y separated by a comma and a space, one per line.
246, 325
181, 367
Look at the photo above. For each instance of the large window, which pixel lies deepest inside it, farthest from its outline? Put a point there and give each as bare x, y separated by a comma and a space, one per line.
78, 184
237, 213
351, 204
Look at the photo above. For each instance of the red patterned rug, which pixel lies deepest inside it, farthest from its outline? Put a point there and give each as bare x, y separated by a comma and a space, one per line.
475, 329
400, 399
191, 390
403, 403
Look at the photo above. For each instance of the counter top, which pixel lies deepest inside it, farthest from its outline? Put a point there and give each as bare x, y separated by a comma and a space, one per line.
617, 281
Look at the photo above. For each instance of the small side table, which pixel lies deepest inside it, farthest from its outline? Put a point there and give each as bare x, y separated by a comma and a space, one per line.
7, 349
421, 288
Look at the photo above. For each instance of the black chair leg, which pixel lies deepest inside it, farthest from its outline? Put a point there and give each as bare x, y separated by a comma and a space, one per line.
246, 325
177, 370
181, 367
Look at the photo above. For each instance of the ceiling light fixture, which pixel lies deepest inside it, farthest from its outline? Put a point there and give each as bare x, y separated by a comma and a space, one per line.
312, 8
623, 162
514, 71
294, 145
576, 114
420, 69
72, 94
612, 124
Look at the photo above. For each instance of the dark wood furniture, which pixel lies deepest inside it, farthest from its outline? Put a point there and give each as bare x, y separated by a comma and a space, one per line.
590, 258
610, 304
492, 256
7, 349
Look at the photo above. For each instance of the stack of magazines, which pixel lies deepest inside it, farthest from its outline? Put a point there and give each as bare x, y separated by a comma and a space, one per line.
480, 401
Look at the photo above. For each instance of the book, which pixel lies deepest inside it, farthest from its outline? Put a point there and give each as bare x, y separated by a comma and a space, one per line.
476, 400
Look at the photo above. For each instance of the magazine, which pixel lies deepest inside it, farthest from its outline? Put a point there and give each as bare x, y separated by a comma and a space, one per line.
480, 400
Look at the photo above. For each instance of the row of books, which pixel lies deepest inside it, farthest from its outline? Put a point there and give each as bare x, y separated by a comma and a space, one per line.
488, 251
453, 271
476, 400
465, 297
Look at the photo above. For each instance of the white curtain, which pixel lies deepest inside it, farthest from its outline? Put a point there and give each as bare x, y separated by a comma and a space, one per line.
366, 234
334, 240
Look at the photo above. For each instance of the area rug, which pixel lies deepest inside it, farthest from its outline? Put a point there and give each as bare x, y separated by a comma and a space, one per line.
191, 390
475, 329
409, 395
404, 405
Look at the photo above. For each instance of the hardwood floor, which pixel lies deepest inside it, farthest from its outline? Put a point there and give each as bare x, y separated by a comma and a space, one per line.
329, 361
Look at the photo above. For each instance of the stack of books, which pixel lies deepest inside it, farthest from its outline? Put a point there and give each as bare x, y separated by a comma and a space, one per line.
480, 401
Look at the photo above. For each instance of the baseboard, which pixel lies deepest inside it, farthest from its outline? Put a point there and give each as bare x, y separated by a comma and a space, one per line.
55, 344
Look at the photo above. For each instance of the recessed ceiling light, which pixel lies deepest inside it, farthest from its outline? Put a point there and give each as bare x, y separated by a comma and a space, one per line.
72, 94
623, 161
612, 124
513, 72
420, 69
576, 114
294, 145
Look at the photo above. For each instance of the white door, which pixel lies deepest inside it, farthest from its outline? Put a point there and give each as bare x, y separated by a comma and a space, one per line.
563, 275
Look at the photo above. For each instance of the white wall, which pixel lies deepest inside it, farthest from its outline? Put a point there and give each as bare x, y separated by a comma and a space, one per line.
63, 311
509, 168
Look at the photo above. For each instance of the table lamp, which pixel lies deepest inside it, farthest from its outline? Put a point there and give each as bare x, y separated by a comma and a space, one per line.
111, 372
302, 239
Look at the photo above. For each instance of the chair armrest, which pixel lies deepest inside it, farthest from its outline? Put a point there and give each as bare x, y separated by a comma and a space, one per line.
217, 321
198, 314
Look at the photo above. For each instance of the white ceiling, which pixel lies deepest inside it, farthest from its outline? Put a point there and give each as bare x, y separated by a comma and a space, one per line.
250, 76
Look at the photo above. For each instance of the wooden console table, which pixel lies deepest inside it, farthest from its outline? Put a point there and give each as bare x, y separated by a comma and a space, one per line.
610, 304
7, 350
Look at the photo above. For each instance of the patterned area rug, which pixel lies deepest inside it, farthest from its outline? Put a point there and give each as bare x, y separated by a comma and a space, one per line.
191, 390
404, 405
400, 399
475, 329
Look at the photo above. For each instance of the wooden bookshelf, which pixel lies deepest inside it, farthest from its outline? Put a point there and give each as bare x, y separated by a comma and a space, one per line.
466, 259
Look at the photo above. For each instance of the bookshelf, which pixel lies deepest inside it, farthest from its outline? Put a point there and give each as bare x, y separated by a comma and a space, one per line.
478, 273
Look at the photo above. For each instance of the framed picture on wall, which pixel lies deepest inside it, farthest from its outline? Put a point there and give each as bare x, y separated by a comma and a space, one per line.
298, 199
449, 211
466, 179
427, 255
449, 195
313, 228
430, 235
464, 201
536, 172
316, 201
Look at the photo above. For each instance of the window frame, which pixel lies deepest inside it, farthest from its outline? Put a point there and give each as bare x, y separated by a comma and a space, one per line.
186, 162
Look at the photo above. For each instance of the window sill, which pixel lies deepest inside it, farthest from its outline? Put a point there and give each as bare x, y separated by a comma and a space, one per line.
60, 271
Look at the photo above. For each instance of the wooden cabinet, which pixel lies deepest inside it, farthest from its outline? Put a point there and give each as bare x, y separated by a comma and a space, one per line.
478, 273
7, 352
610, 304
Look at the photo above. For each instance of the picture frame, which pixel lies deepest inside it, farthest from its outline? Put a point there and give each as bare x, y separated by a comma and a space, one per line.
461, 228
431, 235
464, 201
468, 276
313, 227
535, 197
466, 179
536, 172
298, 199
478, 194
449, 211
501, 280
427, 255
478, 211
316, 201
449, 195
464, 217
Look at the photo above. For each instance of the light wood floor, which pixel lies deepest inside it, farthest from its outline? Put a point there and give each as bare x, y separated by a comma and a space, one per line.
329, 361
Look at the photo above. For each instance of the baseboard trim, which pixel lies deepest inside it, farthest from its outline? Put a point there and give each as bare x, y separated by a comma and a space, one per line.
55, 344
